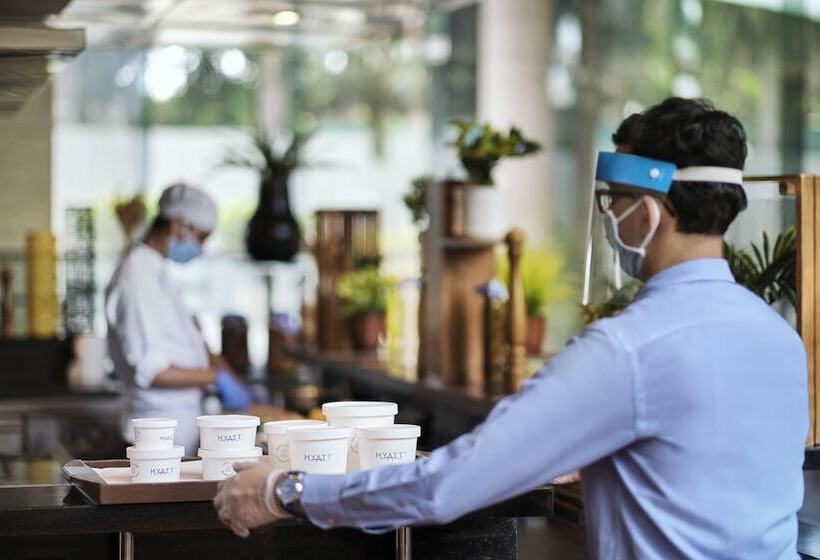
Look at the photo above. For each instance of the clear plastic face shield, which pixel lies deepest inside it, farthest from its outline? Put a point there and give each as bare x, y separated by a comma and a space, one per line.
627, 201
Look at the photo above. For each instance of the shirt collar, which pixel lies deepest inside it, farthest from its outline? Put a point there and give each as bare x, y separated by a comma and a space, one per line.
696, 270
151, 258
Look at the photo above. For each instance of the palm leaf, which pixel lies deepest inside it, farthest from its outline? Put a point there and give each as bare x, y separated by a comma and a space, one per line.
261, 154
770, 271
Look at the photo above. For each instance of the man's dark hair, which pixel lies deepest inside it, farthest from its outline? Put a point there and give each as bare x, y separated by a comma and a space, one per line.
690, 132
160, 224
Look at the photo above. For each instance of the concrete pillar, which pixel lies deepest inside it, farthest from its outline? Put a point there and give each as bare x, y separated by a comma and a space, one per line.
514, 43
272, 93
25, 171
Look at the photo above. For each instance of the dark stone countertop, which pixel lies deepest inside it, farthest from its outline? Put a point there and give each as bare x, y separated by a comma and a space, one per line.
64, 510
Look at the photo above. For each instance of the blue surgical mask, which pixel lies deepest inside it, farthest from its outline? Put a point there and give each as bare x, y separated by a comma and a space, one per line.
631, 258
184, 250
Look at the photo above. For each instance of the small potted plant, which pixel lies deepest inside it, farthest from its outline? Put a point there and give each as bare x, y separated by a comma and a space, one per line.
364, 296
544, 281
273, 233
416, 200
480, 148
618, 300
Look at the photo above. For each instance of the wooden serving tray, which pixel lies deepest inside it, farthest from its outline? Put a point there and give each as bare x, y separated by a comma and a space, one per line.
81, 474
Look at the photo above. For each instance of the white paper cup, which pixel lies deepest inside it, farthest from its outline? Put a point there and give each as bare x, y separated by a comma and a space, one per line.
387, 445
155, 465
278, 440
359, 414
319, 450
227, 431
218, 464
154, 433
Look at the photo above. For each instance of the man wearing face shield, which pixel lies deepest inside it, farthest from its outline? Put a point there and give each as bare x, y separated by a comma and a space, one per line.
687, 413
157, 350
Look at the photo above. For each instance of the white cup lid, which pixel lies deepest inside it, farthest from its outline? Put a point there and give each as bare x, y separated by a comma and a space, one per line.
249, 453
358, 409
318, 433
227, 421
396, 431
279, 426
175, 452
154, 422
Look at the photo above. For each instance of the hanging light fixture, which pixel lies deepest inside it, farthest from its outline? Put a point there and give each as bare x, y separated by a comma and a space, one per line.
286, 18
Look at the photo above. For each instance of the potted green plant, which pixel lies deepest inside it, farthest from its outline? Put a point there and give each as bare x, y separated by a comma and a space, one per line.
545, 281
272, 232
770, 271
416, 200
480, 148
364, 296
617, 302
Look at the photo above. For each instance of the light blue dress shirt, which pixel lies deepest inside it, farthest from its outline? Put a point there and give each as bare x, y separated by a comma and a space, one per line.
687, 414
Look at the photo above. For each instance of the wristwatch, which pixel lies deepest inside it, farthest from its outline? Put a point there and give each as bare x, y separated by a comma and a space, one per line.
289, 493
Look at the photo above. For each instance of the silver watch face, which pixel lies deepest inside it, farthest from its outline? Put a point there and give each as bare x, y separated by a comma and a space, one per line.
289, 491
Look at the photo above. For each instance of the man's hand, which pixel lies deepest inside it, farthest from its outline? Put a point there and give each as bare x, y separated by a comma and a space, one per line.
241, 500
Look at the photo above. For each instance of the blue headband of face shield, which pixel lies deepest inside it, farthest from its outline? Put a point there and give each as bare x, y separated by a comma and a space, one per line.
635, 171
657, 175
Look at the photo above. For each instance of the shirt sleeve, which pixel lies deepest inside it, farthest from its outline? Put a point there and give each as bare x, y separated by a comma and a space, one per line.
578, 408
136, 315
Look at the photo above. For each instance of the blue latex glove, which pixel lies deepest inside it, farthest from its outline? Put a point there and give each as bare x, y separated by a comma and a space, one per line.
232, 393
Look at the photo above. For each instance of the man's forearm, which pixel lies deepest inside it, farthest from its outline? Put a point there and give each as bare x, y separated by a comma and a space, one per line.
184, 378
587, 389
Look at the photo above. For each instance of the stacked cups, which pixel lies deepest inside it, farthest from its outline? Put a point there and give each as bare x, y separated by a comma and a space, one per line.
225, 440
154, 457
387, 445
41, 280
276, 435
358, 434
319, 449
359, 414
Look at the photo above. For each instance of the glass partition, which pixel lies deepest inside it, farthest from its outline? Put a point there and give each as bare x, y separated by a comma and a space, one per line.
761, 246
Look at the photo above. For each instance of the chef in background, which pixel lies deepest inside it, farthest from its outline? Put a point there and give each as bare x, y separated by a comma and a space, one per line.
158, 352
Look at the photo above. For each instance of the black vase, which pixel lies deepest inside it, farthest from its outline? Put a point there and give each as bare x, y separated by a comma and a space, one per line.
273, 234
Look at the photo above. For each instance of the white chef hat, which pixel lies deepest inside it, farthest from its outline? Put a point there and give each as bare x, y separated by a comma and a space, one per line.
192, 205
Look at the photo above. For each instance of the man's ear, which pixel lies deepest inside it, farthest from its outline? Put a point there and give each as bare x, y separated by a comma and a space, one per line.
651, 209
668, 216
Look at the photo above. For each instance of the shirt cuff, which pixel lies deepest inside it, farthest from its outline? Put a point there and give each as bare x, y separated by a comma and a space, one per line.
321, 499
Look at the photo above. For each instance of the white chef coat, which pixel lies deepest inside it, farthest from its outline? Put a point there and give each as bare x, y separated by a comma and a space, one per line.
150, 330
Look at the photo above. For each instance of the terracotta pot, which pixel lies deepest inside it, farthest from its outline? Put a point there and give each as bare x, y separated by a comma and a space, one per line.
536, 331
366, 328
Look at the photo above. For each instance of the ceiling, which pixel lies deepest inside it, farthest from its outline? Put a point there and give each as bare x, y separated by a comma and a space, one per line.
220, 23
29, 51
38, 36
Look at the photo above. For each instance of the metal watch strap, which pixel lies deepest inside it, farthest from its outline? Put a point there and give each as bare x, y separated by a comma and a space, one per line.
293, 504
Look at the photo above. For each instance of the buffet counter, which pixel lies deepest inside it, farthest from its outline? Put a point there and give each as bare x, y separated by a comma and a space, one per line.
59, 521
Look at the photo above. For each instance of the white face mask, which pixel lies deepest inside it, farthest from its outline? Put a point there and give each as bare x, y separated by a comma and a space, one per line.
631, 258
